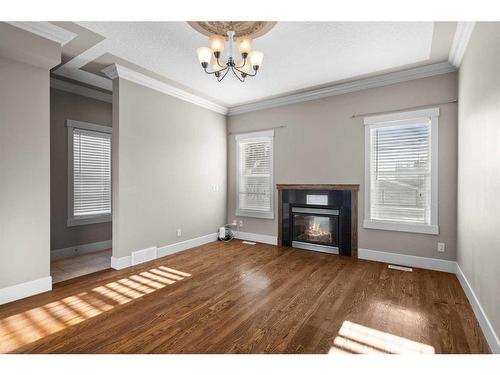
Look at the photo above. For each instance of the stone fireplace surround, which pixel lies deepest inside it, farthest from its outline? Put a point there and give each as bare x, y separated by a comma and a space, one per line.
342, 197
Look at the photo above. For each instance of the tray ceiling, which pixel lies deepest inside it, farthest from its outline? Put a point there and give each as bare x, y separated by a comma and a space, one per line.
298, 55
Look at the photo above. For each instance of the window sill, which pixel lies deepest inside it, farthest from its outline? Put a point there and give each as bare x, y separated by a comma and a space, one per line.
256, 214
73, 222
401, 227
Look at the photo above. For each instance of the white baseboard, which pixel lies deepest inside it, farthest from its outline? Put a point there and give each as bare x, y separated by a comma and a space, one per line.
154, 253
30, 288
408, 260
80, 249
264, 238
121, 262
484, 322
184, 245
145, 255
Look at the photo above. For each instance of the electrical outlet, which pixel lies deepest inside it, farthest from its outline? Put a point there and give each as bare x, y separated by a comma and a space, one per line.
234, 224
441, 247
179, 232
240, 223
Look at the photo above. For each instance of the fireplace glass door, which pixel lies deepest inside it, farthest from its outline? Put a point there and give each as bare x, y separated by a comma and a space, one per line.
315, 226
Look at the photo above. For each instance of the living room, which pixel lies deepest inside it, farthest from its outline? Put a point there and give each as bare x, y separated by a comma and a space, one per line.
304, 185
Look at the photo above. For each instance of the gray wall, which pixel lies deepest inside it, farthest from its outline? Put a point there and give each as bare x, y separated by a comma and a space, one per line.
64, 106
479, 168
323, 144
25, 173
167, 155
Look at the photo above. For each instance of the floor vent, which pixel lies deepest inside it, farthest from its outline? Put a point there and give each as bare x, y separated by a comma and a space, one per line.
400, 268
249, 242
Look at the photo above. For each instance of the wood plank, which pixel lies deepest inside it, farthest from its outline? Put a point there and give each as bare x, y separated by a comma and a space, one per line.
237, 298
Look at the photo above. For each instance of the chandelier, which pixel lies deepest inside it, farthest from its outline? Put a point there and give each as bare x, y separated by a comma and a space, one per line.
246, 66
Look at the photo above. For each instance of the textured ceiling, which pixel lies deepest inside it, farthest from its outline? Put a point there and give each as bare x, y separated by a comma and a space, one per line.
298, 55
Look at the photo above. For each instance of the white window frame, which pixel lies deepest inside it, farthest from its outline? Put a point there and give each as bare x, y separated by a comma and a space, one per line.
401, 118
88, 219
254, 213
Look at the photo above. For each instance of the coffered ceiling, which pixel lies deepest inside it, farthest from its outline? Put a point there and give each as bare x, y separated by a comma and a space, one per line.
298, 55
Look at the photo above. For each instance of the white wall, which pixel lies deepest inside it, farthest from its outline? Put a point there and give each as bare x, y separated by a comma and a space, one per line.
25, 173
167, 155
25, 60
321, 143
479, 168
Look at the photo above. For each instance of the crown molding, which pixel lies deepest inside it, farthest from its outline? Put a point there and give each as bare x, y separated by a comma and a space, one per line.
460, 41
117, 71
80, 90
344, 88
112, 71
46, 30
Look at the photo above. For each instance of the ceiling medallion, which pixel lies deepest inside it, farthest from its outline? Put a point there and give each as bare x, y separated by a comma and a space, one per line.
252, 29
239, 32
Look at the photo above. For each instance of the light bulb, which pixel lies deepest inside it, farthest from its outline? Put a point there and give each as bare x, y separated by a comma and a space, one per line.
244, 44
217, 43
256, 58
204, 55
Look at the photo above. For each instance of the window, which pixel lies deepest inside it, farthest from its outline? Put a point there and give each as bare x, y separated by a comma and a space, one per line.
401, 171
89, 173
254, 182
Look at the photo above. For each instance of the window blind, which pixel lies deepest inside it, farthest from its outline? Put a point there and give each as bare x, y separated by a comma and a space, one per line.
255, 174
400, 172
91, 173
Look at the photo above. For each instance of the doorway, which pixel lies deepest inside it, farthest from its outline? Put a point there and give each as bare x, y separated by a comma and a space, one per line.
80, 153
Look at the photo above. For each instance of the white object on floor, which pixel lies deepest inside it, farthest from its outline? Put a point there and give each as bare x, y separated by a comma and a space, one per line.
248, 242
407, 269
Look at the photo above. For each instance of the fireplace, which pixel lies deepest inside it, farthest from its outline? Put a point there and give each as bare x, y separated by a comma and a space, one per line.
318, 217
315, 228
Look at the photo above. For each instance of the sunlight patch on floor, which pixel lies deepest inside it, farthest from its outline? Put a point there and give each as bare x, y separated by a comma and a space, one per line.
31, 325
356, 338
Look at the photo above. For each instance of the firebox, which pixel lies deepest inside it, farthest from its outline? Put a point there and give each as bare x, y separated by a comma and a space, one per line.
320, 217
315, 229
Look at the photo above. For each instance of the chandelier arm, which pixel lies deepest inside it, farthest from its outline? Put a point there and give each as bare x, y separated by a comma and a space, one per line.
248, 74
244, 62
236, 74
215, 71
218, 63
222, 76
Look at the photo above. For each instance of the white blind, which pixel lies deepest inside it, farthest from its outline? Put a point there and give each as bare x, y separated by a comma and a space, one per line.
255, 174
400, 172
91, 173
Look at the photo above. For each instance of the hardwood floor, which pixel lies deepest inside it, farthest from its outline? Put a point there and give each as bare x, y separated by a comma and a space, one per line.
237, 298
69, 268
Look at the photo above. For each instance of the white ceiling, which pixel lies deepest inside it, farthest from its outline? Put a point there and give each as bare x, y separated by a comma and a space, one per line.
298, 55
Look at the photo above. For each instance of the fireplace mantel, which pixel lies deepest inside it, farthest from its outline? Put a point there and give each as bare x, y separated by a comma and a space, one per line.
317, 187
352, 188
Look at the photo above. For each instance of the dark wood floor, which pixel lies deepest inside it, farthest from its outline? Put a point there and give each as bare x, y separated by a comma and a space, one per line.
236, 298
